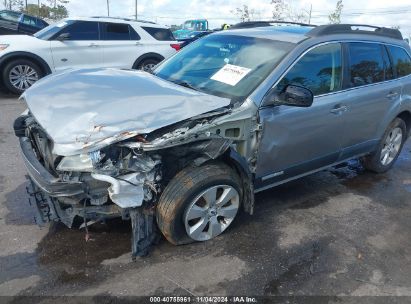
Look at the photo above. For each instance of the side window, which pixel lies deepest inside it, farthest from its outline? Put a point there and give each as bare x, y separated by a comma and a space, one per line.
115, 31
389, 70
319, 70
366, 64
29, 20
401, 61
160, 34
82, 30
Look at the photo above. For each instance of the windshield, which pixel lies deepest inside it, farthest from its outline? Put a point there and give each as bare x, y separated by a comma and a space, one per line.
188, 25
224, 65
51, 30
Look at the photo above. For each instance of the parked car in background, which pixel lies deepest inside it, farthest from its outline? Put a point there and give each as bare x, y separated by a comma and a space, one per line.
83, 43
14, 23
193, 37
191, 27
235, 113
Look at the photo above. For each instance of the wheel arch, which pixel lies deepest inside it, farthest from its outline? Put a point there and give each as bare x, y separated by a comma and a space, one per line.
406, 117
26, 55
146, 56
236, 161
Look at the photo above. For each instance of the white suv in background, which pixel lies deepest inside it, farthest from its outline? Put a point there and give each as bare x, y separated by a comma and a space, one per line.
83, 43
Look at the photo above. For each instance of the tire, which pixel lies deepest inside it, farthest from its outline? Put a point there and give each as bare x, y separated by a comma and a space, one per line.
22, 67
185, 190
148, 64
375, 161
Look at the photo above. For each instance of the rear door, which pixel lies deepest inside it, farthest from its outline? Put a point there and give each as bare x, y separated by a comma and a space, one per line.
160, 41
120, 45
299, 140
81, 49
371, 94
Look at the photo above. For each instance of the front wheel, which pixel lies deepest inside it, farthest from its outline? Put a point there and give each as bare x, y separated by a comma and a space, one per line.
21, 74
388, 149
199, 203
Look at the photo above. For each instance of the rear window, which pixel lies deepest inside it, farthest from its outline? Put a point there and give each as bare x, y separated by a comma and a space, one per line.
10, 16
160, 34
401, 61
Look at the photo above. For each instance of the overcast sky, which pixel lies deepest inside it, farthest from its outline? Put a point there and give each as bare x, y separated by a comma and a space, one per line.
378, 12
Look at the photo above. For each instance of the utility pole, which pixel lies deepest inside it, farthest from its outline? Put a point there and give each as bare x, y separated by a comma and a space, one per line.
38, 8
309, 17
136, 9
108, 8
26, 5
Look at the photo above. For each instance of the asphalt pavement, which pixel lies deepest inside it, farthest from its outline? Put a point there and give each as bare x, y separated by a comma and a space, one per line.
341, 232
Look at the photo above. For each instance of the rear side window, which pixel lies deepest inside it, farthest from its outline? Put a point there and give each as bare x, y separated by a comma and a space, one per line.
82, 30
319, 70
366, 64
401, 61
29, 21
118, 31
160, 34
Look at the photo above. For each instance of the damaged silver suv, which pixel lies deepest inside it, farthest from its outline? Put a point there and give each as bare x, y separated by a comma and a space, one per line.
184, 148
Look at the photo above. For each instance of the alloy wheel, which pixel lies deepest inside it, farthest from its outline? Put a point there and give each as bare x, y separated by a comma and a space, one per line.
23, 77
211, 212
392, 146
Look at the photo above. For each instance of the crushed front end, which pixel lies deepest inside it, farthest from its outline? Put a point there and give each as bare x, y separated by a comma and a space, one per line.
83, 189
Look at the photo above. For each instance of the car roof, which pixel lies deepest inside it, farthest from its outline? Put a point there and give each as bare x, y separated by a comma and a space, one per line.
293, 33
20, 13
118, 20
286, 33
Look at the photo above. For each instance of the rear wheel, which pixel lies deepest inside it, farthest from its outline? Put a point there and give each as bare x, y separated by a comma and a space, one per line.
21, 74
388, 149
148, 64
199, 203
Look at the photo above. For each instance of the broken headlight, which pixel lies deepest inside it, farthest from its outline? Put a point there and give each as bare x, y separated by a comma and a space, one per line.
81, 162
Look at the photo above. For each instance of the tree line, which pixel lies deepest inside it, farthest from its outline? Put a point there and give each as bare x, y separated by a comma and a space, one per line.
282, 11
49, 9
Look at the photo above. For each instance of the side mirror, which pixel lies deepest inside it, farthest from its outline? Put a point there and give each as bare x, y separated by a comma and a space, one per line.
63, 37
292, 95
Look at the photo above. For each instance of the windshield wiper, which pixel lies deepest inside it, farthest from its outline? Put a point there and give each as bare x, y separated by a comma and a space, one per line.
186, 85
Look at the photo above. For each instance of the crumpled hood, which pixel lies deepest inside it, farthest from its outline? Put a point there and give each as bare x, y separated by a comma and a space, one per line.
85, 110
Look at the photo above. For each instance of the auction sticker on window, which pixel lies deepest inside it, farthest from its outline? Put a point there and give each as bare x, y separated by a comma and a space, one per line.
230, 74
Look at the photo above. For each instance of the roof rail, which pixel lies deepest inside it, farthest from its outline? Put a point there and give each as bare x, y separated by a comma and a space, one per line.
125, 19
251, 24
354, 29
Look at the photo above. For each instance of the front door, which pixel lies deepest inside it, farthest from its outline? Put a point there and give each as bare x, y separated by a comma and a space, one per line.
300, 140
81, 47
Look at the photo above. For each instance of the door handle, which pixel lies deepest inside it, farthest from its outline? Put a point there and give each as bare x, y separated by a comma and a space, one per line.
93, 45
392, 95
339, 109
138, 43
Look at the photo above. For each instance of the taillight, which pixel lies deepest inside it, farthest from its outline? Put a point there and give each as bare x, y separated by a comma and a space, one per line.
176, 46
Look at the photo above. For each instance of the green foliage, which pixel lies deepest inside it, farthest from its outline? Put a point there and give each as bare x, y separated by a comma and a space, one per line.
55, 11
335, 17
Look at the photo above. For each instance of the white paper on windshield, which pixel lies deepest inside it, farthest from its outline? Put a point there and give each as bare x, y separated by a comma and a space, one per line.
230, 74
